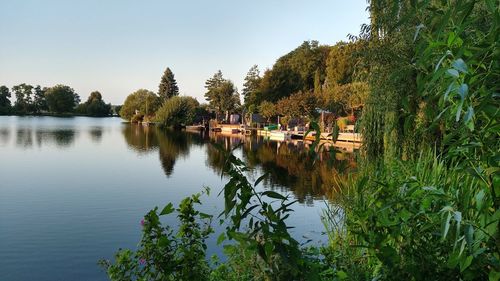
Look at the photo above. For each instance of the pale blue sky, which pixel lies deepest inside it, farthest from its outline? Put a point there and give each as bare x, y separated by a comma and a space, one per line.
117, 47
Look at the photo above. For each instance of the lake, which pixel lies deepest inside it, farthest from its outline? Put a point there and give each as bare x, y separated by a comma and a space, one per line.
74, 190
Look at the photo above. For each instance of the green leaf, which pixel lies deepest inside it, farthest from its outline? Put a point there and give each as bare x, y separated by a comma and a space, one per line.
479, 200
441, 60
460, 65
446, 225
452, 72
221, 238
274, 195
465, 263
469, 114
341, 275
450, 88
494, 275
205, 216
463, 90
268, 248
469, 235
167, 210
261, 178
451, 38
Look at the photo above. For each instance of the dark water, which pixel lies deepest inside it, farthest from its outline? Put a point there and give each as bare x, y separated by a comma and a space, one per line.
73, 190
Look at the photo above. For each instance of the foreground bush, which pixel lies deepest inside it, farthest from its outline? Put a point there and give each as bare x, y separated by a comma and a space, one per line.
411, 220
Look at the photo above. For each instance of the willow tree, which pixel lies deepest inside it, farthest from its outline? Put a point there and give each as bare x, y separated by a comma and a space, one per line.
390, 109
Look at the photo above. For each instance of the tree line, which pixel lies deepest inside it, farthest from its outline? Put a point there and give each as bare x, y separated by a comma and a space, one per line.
58, 99
308, 78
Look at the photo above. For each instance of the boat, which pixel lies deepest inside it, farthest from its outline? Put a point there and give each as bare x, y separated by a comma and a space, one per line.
230, 130
197, 128
280, 135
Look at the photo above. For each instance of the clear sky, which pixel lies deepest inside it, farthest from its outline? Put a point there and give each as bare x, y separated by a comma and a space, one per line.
119, 46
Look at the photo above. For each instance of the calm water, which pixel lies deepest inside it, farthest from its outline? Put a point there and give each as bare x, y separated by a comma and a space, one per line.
73, 190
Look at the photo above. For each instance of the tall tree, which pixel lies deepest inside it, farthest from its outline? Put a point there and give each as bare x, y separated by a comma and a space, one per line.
24, 98
221, 94
251, 86
4, 100
39, 100
168, 86
61, 98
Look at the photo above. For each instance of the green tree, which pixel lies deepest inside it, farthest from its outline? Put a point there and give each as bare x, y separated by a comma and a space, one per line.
5, 104
294, 72
168, 86
177, 111
267, 110
39, 101
61, 98
301, 104
142, 102
221, 94
317, 82
340, 64
24, 98
94, 106
251, 86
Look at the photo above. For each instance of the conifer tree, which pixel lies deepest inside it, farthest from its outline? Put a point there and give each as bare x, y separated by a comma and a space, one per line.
168, 86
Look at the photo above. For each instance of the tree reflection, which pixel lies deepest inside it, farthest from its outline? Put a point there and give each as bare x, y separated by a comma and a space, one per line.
170, 144
96, 134
290, 166
4, 135
26, 137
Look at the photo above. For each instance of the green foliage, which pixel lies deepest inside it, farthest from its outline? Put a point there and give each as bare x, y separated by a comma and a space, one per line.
61, 99
301, 104
163, 255
294, 72
341, 63
431, 214
258, 225
251, 87
5, 105
143, 101
94, 106
267, 110
168, 86
414, 219
221, 94
39, 100
177, 111
24, 98
343, 99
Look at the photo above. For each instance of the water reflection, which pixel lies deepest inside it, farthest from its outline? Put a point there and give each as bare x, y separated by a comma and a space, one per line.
27, 137
170, 144
290, 166
61, 138
4, 135
24, 137
96, 134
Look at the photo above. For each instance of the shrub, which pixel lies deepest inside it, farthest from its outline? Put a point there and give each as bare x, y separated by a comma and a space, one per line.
163, 255
177, 111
